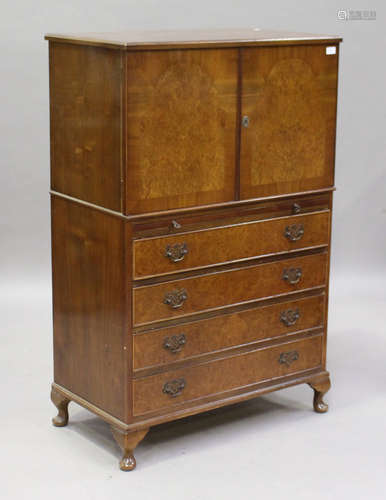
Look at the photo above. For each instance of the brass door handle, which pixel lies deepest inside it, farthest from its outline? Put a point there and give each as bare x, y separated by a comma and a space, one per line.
292, 275
176, 298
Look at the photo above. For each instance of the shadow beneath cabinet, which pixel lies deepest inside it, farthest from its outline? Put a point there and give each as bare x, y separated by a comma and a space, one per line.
164, 441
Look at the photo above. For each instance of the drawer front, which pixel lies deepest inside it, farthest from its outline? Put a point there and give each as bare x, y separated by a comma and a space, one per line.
216, 377
191, 295
185, 222
166, 345
206, 247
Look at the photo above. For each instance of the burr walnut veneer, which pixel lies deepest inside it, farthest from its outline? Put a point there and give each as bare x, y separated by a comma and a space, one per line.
191, 187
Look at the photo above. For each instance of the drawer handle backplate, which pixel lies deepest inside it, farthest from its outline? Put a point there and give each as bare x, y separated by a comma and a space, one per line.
294, 232
176, 298
290, 316
175, 343
177, 252
292, 275
286, 358
174, 387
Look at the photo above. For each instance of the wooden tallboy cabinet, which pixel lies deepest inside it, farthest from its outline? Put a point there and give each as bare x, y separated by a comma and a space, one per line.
191, 186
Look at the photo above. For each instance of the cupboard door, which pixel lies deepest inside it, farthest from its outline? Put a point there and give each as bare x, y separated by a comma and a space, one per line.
181, 128
289, 96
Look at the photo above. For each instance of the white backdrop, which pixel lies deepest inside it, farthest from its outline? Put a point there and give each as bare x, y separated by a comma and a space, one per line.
359, 236
357, 343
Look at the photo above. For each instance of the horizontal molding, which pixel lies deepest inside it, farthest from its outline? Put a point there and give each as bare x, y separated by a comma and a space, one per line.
187, 210
86, 204
233, 203
89, 406
190, 45
199, 406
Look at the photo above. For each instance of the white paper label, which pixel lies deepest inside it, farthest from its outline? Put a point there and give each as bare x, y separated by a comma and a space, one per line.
330, 50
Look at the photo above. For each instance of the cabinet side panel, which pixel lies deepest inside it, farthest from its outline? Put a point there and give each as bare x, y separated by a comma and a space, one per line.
89, 305
85, 106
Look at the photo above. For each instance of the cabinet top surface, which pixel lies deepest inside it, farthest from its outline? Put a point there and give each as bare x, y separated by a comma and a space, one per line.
137, 39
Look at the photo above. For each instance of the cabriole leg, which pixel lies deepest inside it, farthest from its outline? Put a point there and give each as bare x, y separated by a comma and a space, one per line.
128, 441
61, 403
320, 389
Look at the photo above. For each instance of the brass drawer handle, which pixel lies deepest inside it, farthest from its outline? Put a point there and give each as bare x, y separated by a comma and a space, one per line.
296, 208
294, 232
175, 343
177, 252
290, 316
176, 298
292, 275
174, 388
175, 225
286, 358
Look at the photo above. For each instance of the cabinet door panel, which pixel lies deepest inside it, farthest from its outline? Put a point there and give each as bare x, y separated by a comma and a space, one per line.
181, 128
289, 95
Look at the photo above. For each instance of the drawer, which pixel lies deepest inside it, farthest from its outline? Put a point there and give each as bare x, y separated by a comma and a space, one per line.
228, 243
187, 220
167, 345
215, 290
216, 377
